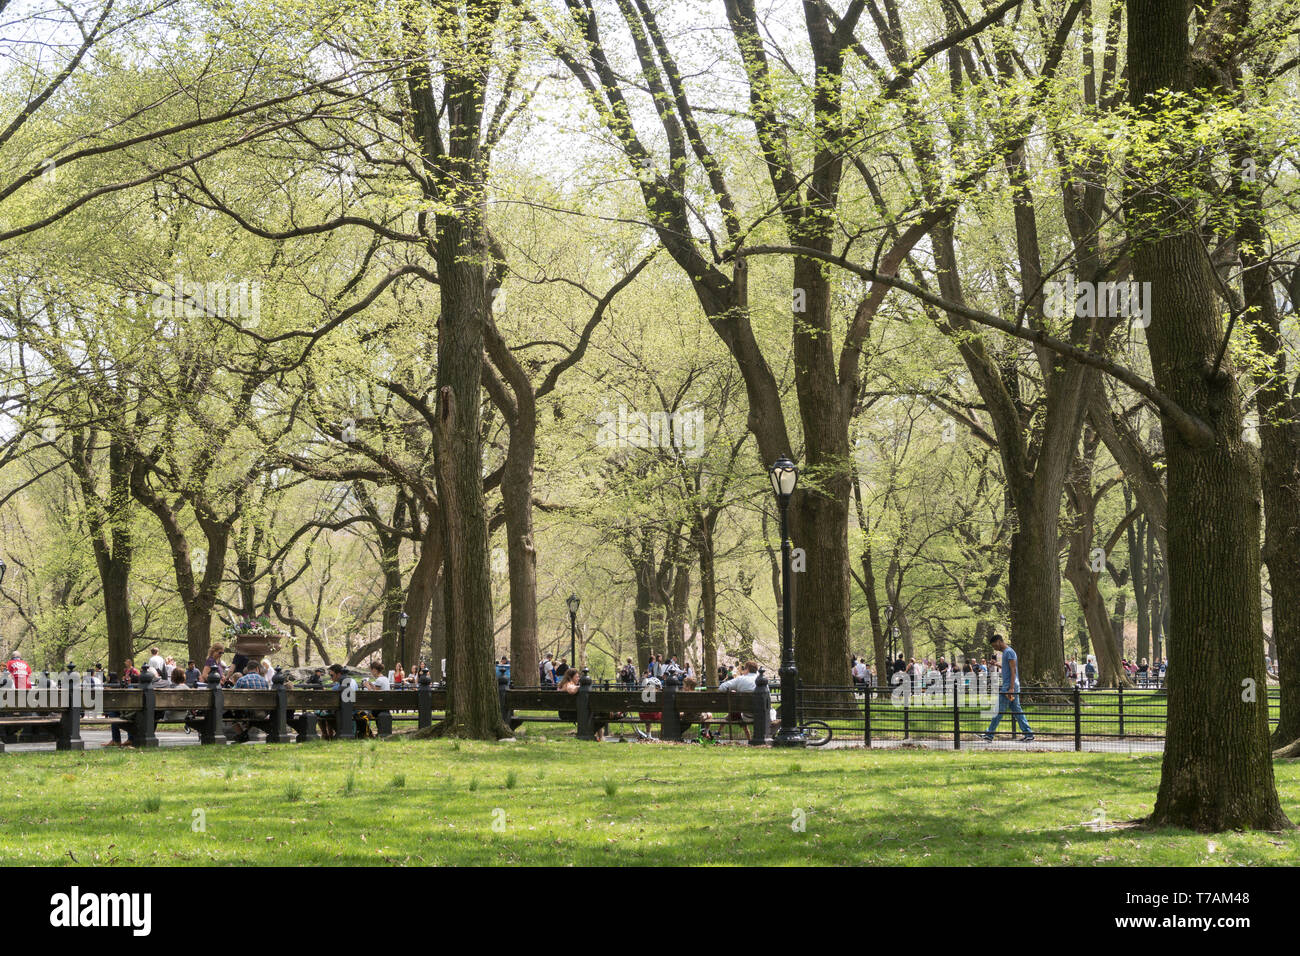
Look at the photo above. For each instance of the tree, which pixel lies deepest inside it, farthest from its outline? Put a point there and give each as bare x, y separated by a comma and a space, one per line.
1217, 773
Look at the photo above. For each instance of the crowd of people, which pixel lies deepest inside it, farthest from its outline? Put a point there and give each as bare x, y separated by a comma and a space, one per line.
1143, 674
166, 671
740, 678
923, 672
927, 672
242, 673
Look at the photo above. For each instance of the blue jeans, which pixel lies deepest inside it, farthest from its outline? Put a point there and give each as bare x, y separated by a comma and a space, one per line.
116, 731
1005, 704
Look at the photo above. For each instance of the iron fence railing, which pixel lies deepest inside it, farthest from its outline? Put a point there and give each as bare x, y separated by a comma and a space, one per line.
956, 713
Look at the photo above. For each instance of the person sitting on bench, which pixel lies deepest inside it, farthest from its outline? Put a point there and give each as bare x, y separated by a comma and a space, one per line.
684, 720
177, 682
742, 683
376, 681
116, 729
251, 679
570, 686
329, 720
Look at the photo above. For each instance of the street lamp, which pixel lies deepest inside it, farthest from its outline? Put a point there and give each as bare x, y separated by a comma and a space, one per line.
889, 632
784, 477
401, 636
573, 603
1062, 637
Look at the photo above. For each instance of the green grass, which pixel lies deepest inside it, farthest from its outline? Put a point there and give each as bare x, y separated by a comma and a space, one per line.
604, 804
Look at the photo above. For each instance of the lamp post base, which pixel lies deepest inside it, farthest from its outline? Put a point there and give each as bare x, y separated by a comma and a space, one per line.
790, 734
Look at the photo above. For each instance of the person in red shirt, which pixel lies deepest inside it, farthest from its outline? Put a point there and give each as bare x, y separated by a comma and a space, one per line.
19, 671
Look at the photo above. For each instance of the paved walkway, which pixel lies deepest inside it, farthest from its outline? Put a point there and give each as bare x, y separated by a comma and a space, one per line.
95, 738
1125, 745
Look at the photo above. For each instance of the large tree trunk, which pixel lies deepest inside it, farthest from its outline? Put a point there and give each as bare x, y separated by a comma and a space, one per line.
517, 498
1081, 571
1034, 594
708, 597
115, 576
680, 607
519, 407
456, 163
423, 593
110, 535
820, 508
1217, 772
1118, 619
1137, 568
394, 602
879, 643
438, 626
472, 706
643, 567
1157, 588
1279, 435
1085, 584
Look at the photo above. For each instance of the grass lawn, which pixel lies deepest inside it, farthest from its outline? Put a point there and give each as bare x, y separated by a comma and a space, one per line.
563, 802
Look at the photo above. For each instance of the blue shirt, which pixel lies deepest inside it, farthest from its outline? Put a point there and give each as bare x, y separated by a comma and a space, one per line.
253, 681
1007, 657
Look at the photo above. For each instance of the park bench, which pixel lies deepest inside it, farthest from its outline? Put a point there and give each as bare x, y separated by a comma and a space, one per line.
286, 713
20, 729
283, 713
29, 710
679, 709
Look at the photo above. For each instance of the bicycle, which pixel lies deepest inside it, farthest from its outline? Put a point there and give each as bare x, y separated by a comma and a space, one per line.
817, 733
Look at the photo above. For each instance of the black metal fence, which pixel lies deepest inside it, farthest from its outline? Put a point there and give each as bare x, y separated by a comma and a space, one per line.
957, 714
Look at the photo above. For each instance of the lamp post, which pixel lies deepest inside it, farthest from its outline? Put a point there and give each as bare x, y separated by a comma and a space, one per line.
573, 603
784, 477
401, 636
1062, 637
889, 631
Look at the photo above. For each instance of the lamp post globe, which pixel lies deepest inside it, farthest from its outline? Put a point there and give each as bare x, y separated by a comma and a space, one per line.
784, 475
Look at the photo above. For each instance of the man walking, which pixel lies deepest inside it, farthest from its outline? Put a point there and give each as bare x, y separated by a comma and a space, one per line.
1009, 693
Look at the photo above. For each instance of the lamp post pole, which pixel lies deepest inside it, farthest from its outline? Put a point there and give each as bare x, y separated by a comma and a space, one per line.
889, 632
401, 636
784, 476
1062, 637
573, 603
